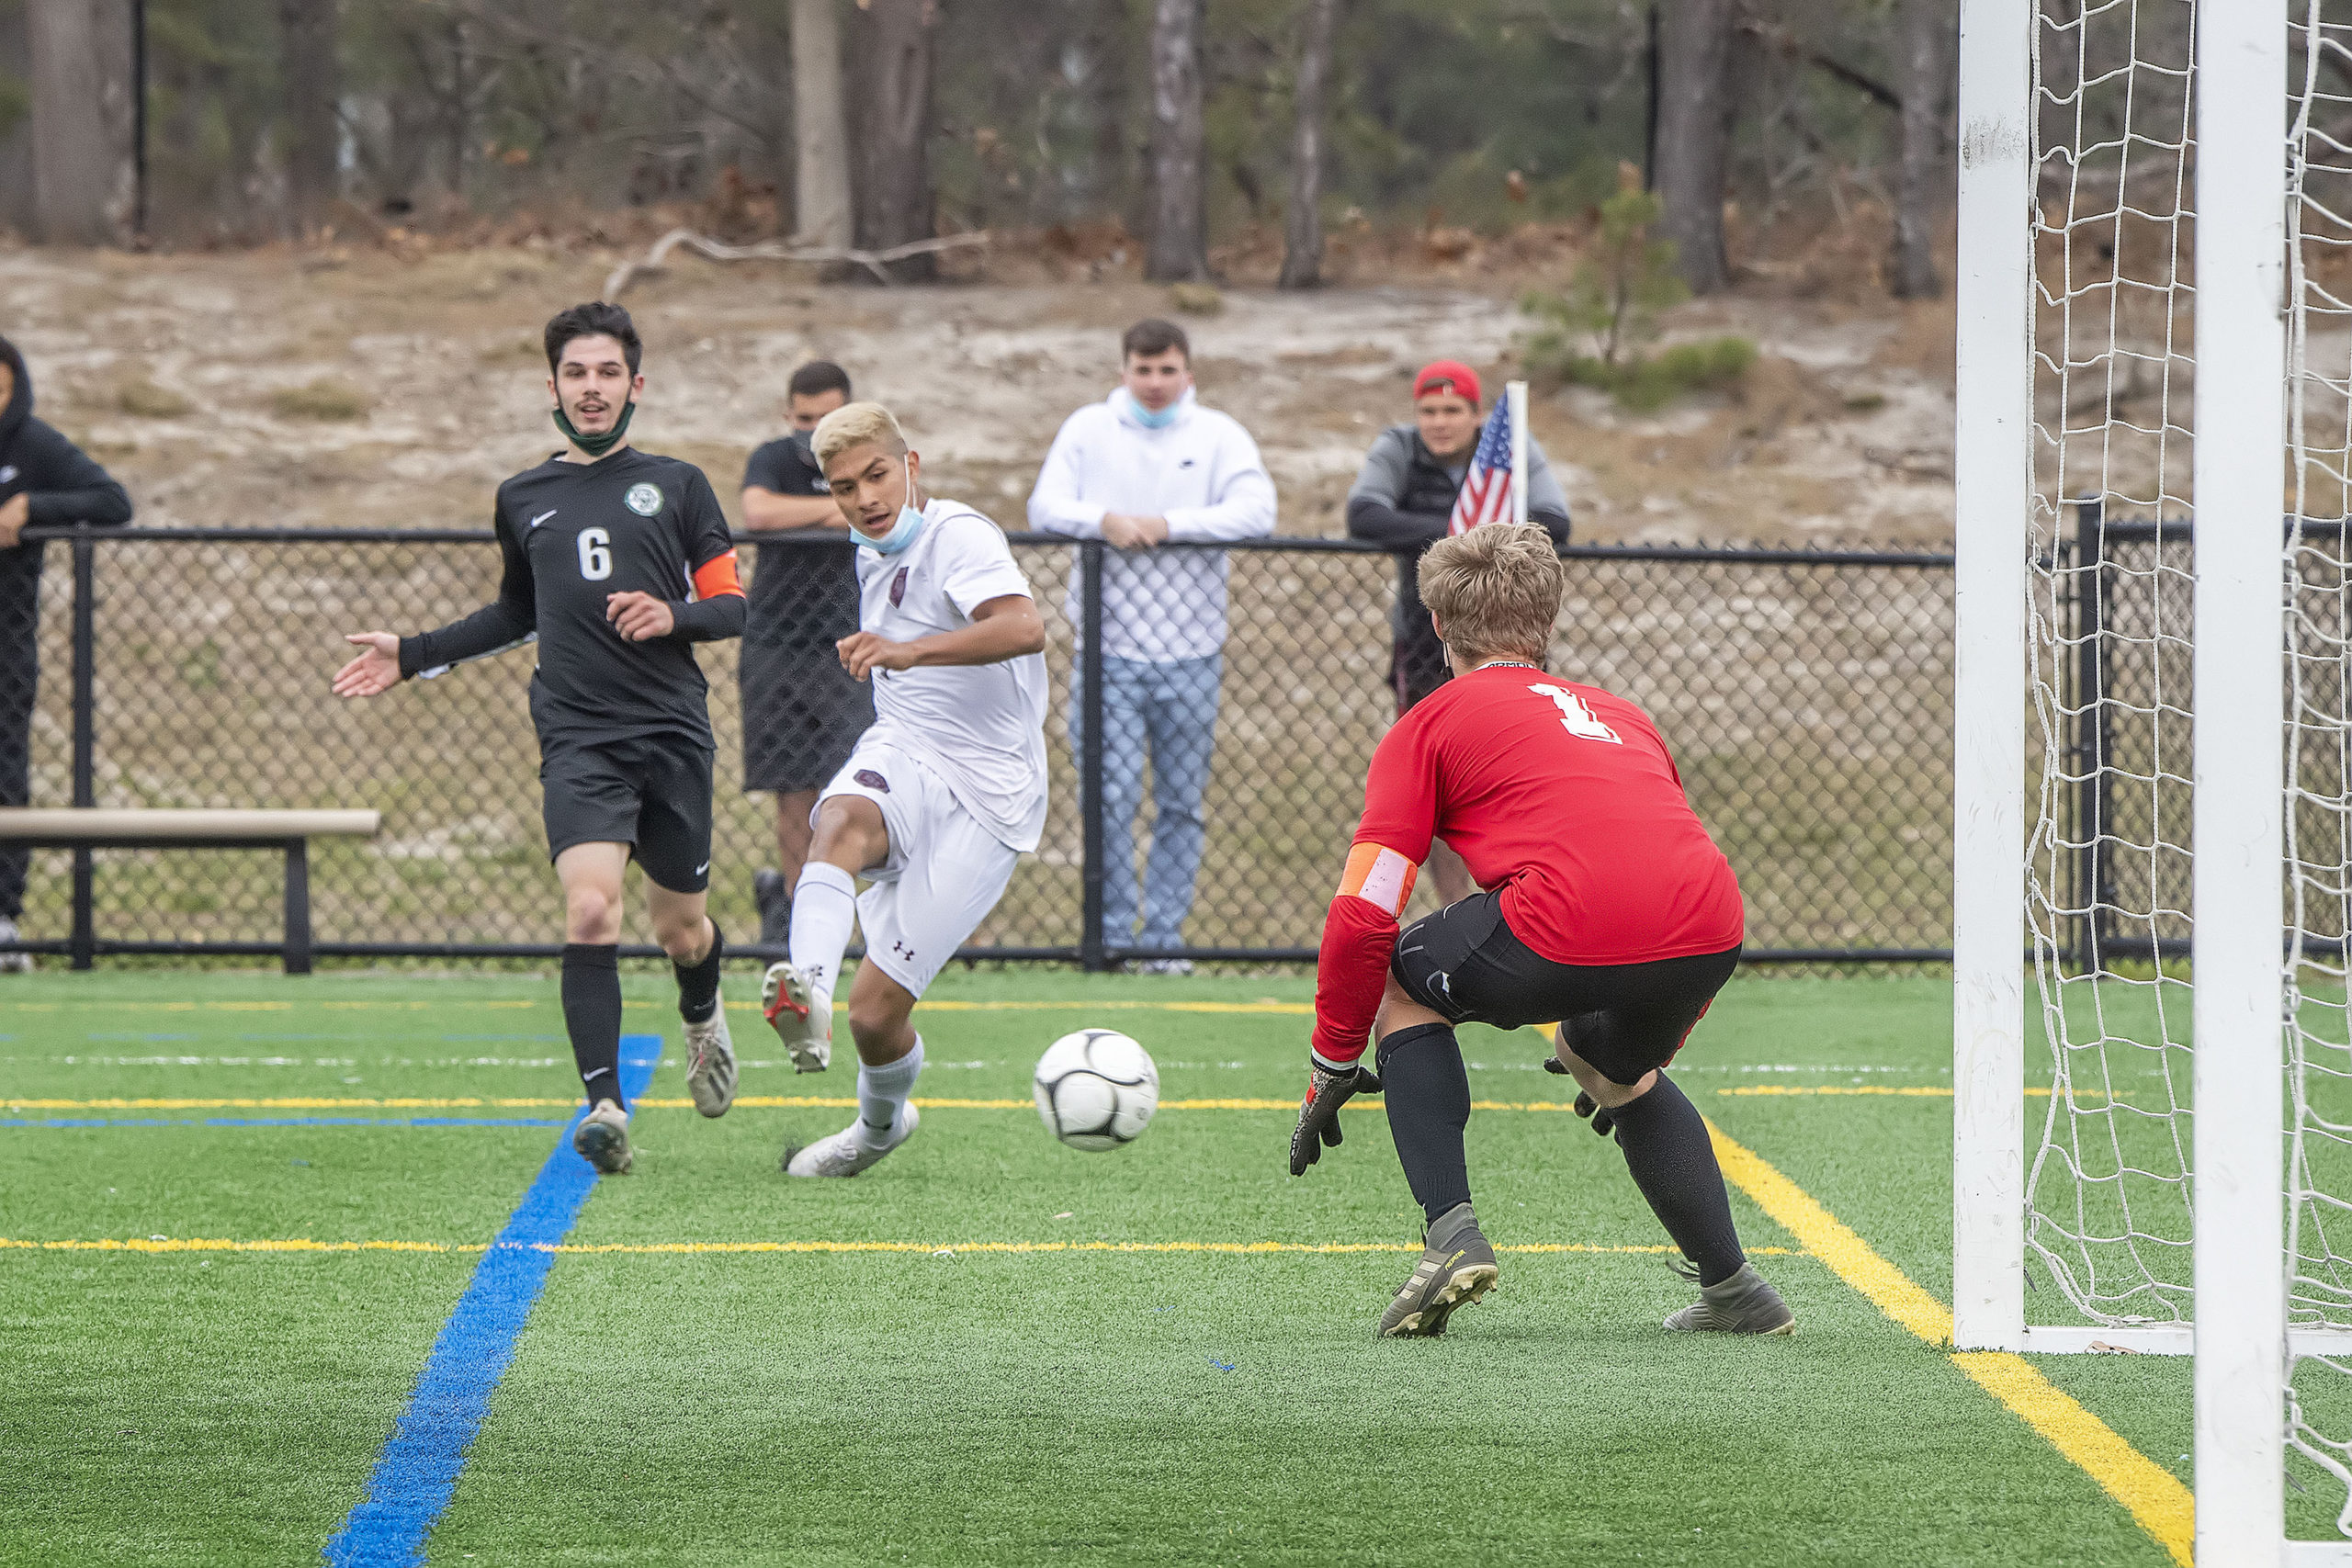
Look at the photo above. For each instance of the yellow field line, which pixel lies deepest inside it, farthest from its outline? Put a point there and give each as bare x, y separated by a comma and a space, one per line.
2154, 1496
200, 1244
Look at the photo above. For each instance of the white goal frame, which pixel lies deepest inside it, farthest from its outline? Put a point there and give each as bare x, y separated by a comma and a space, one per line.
2240, 1269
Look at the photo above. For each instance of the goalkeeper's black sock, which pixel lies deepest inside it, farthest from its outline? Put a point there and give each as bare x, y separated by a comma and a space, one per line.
1428, 1106
1673, 1162
591, 1016
698, 983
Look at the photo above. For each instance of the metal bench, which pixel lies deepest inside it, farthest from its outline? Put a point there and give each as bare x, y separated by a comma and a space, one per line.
86, 827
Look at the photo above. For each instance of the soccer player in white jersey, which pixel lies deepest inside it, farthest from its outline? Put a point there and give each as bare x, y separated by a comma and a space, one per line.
942, 795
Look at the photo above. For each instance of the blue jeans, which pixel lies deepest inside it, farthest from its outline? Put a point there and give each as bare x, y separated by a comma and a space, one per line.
1171, 708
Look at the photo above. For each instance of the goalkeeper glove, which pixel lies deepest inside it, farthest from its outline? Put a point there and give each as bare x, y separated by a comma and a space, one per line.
1586, 1105
1318, 1114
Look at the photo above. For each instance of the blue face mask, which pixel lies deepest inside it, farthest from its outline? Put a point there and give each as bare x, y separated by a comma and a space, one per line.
1153, 419
903, 532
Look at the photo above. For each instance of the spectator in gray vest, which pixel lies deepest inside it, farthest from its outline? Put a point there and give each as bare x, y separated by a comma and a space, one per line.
1143, 468
44, 478
1404, 499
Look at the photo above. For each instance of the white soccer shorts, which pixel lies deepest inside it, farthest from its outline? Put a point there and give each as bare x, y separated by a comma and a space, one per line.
945, 874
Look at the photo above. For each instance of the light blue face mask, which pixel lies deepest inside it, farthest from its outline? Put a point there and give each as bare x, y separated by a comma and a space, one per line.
1153, 419
903, 532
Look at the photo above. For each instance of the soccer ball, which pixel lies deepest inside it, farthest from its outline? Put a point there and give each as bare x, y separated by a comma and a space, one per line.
1096, 1090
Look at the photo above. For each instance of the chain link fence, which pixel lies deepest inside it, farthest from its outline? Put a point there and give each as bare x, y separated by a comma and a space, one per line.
1807, 698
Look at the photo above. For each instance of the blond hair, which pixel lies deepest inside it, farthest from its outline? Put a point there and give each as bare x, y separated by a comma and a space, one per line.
1495, 590
856, 424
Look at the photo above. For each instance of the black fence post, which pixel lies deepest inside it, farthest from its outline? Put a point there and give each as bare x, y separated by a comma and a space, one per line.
2092, 784
1090, 674
86, 739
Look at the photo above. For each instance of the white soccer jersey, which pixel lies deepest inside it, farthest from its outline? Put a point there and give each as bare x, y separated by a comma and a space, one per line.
981, 726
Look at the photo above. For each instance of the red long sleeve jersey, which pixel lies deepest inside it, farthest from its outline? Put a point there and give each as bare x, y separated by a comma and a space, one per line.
1562, 797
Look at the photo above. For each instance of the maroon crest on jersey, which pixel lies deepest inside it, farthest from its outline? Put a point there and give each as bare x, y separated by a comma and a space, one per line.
898, 587
871, 779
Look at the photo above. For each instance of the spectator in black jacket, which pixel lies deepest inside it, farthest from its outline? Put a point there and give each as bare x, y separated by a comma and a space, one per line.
44, 478
1403, 498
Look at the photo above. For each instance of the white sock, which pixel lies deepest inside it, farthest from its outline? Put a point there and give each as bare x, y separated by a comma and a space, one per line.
881, 1092
823, 905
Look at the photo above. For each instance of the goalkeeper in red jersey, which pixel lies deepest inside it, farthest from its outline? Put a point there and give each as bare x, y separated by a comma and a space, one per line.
1607, 907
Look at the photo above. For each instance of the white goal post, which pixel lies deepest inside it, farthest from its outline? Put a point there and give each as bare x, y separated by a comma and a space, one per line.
2041, 375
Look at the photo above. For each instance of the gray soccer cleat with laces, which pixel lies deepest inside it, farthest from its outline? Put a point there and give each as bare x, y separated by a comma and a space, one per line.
1743, 1303
710, 1063
602, 1138
1457, 1267
844, 1154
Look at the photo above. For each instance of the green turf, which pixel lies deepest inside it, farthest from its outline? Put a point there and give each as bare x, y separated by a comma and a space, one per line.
986, 1407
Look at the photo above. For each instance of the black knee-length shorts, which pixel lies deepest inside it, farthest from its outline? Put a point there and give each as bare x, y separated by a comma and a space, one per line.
1464, 965
651, 792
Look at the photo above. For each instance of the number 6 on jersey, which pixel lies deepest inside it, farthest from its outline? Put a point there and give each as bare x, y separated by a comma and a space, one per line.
596, 553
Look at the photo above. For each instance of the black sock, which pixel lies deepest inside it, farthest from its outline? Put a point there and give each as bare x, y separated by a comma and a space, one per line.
1428, 1106
591, 1016
1673, 1162
698, 983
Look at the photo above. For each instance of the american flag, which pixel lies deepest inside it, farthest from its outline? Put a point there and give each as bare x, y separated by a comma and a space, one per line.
1484, 496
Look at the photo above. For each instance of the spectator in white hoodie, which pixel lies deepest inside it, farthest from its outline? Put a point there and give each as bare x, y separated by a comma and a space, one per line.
1148, 467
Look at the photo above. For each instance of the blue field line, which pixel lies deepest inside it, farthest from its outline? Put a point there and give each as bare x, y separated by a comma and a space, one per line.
417, 1473
285, 1122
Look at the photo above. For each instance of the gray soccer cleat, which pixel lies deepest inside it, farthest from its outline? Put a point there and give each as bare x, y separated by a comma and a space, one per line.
802, 1015
710, 1063
1457, 1267
1743, 1303
843, 1154
602, 1138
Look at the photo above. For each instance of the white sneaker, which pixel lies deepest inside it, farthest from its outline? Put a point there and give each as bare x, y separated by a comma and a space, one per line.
602, 1138
13, 963
710, 1063
845, 1154
803, 1017
1163, 967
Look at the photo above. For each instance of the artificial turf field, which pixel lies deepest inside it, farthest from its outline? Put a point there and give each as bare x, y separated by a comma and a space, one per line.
991, 1350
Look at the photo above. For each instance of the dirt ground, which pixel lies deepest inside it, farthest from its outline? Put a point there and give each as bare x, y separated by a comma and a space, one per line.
369, 390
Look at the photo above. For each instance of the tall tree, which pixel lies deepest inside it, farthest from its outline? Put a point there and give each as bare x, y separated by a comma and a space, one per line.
1303, 222
819, 127
895, 201
1694, 110
80, 155
15, 123
313, 83
1180, 219
1918, 195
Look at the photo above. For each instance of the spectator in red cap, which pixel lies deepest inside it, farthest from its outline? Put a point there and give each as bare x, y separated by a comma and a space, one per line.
1403, 498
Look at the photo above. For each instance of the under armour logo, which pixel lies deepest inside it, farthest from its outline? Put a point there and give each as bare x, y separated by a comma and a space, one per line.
903, 951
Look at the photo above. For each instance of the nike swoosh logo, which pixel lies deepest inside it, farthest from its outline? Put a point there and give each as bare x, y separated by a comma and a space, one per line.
545, 515
703, 867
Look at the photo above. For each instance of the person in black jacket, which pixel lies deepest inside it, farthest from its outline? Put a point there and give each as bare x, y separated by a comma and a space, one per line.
44, 478
1403, 498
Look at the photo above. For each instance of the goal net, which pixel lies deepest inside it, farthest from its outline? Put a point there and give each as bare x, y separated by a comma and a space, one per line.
2121, 293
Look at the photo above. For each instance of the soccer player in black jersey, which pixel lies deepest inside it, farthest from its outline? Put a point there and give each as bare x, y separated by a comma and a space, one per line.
617, 562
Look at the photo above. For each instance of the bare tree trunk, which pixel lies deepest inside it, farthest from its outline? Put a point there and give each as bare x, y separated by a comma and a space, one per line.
1302, 223
1694, 108
894, 200
1179, 146
314, 83
16, 141
76, 162
1919, 192
819, 127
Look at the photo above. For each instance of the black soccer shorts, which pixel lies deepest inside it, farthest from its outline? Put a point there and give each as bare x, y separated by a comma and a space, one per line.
1464, 965
650, 791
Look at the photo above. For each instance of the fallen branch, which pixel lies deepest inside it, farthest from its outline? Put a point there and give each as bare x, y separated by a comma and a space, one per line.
876, 262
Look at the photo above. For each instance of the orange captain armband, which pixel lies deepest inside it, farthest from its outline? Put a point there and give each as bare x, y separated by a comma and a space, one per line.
1379, 876
717, 576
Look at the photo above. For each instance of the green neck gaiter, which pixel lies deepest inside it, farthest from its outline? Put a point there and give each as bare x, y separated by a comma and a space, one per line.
597, 446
